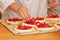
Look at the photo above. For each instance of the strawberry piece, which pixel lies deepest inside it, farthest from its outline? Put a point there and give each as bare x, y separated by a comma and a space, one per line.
14, 19
53, 16
32, 21
58, 24
20, 27
42, 25
37, 18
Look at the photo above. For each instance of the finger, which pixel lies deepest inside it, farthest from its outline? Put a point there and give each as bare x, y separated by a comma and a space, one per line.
21, 14
27, 13
24, 14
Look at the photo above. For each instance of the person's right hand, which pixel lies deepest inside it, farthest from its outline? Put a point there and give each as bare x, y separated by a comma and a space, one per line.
23, 13
21, 10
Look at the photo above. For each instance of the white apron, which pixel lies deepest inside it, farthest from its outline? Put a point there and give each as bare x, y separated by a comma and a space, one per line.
36, 8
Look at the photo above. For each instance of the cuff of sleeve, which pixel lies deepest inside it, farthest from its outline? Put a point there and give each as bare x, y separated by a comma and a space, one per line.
6, 5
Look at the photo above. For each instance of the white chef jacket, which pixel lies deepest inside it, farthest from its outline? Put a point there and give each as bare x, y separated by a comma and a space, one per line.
36, 7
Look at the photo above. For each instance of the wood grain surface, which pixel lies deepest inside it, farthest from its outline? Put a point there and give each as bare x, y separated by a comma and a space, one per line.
5, 34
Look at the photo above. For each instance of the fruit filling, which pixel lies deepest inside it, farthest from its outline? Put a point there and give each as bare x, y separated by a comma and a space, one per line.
58, 24
53, 16
42, 25
14, 19
20, 27
37, 18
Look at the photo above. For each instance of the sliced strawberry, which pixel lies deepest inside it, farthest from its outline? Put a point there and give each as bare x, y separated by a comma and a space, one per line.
37, 23
14, 19
27, 27
9, 19
53, 16
42, 25
32, 21
20, 27
37, 18
56, 16
41, 18
58, 24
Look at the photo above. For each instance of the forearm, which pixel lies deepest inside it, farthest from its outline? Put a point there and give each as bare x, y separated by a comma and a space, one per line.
14, 6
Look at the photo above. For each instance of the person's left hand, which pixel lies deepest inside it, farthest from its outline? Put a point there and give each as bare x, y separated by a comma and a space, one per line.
53, 3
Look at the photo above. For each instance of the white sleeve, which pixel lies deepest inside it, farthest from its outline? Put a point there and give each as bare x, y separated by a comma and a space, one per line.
4, 4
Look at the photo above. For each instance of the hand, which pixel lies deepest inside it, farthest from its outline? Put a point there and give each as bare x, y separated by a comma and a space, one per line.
21, 10
53, 3
23, 13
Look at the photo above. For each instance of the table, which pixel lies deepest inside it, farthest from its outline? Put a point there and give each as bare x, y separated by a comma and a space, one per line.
5, 34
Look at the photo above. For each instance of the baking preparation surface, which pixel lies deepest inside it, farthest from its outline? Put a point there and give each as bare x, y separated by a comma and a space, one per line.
11, 28
5, 34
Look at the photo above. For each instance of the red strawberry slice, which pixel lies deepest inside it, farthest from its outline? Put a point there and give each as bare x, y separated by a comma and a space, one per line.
53, 16
20, 27
31, 21
42, 25
37, 18
14, 19
56, 16
58, 24
40, 19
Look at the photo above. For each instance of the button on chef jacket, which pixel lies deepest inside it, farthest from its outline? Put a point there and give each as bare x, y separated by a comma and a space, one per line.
35, 7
